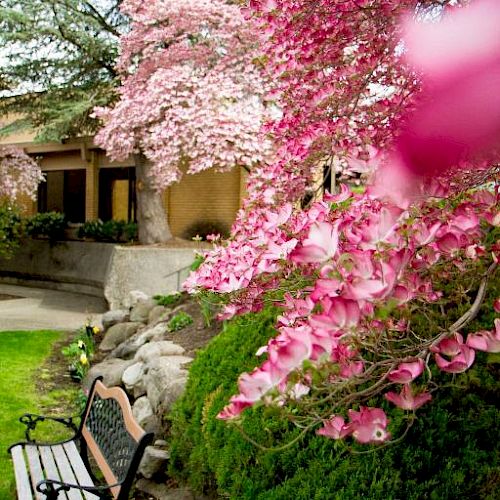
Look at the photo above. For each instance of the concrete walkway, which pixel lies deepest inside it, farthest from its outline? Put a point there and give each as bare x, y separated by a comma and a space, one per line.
41, 309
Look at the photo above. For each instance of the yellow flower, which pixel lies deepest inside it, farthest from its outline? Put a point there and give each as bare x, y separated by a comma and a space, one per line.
83, 359
81, 344
96, 330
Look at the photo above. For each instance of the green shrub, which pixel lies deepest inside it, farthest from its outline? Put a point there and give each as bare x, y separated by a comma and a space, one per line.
179, 321
452, 450
11, 230
168, 300
47, 224
110, 231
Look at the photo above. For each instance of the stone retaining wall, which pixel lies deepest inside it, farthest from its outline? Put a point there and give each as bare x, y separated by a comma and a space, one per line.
102, 270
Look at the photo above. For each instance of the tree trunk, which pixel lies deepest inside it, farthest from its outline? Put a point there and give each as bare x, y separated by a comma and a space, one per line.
151, 217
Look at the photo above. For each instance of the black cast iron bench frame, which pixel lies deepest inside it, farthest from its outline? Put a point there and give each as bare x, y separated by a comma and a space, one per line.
107, 432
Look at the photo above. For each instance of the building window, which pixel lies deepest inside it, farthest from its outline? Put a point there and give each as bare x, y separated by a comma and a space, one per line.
64, 191
117, 199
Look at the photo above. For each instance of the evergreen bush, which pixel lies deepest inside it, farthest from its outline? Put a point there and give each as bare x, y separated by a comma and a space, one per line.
451, 451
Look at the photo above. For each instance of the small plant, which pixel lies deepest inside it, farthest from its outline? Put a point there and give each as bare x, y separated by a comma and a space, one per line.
111, 230
179, 321
81, 351
48, 224
168, 300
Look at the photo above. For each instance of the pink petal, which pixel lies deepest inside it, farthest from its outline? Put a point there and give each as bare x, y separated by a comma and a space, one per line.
406, 372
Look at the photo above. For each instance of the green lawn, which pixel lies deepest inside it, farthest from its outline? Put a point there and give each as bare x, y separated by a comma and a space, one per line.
21, 353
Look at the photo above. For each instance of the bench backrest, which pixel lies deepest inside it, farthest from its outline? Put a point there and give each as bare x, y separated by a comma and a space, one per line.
113, 437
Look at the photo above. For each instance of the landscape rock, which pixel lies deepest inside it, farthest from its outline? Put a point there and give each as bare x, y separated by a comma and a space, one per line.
117, 334
157, 313
153, 461
130, 347
171, 393
111, 318
133, 379
153, 350
161, 491
164, 380
140, 312
110, 369
133, 297
142, 411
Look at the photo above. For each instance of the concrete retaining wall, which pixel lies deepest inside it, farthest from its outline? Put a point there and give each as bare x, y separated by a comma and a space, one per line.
100, 269
152, 270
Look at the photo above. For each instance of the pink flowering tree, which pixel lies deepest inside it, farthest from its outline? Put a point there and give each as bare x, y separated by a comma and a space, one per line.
19, 174
378, 290
191, 95
19, 178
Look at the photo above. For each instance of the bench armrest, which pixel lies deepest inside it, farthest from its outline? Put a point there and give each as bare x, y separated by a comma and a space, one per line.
30, 420
51, 488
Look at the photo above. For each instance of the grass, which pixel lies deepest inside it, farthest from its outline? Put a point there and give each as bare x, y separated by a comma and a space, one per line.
21, 354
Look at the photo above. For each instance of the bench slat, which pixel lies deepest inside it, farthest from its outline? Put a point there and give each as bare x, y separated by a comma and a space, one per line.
50, 466
81, 473
21, 474
36, 471
66, 471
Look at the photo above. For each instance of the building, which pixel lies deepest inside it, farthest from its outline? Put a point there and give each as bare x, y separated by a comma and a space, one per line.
85, 185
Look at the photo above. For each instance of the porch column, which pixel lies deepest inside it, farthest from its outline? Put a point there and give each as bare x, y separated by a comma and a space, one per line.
92, 186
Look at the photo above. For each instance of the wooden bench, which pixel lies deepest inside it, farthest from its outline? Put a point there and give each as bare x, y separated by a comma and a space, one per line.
107, 432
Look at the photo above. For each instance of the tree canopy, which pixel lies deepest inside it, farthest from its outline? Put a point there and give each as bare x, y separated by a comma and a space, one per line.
190, 92
58, 63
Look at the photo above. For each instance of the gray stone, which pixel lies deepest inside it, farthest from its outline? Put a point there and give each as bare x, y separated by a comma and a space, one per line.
156, 314
140, 312
110, 369
161, 491
113, 317
130, 347
133, 379
153, 350
153, 461
142, 411
135, 296
165, 380
171, 393
117, 334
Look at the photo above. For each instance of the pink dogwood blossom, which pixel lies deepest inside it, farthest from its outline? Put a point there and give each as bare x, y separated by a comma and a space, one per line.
406, 400
368, 425
407, 372
334, 428
488, 341
460, 355
320, 244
